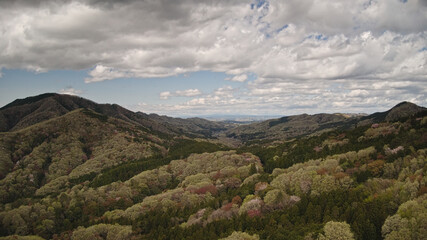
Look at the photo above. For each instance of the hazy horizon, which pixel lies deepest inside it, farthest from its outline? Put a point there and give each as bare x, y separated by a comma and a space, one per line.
228, 117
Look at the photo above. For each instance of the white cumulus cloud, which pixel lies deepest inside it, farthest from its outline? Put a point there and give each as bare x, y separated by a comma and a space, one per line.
70, 91
317, 52
238, 78
180, 93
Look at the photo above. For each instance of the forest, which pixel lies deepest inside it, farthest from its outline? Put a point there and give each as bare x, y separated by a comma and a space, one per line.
85, 175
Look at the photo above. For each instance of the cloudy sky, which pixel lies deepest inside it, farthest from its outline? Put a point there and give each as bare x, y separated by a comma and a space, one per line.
191, 57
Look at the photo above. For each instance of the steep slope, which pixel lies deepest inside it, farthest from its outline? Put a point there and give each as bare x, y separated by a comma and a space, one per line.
73, 145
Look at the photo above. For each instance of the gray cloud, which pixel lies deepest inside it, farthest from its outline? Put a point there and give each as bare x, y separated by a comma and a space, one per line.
300, 50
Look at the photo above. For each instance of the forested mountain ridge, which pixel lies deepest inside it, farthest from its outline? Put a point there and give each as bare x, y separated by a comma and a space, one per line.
22, 113
290, 127
26, 112
88, 174
304, 124
401, 110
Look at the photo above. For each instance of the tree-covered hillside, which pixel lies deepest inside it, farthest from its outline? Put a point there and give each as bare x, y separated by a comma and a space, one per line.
302, 125
88, 175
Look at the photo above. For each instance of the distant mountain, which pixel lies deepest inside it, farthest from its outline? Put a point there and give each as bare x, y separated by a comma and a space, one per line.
304, 124
289, 127
240, 119
22, 113
401, 110
190, 126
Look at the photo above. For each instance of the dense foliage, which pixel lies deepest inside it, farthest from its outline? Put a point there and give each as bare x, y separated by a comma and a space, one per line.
180, 148
86, 176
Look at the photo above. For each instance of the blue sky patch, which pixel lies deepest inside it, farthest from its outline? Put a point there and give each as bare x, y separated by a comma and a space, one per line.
282, 28
321, 37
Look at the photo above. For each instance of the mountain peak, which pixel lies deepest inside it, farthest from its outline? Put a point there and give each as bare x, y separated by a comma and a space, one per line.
28, 100
403, 104
403, 109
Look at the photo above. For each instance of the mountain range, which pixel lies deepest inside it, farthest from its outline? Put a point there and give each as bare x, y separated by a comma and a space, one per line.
74, 169
22, 113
